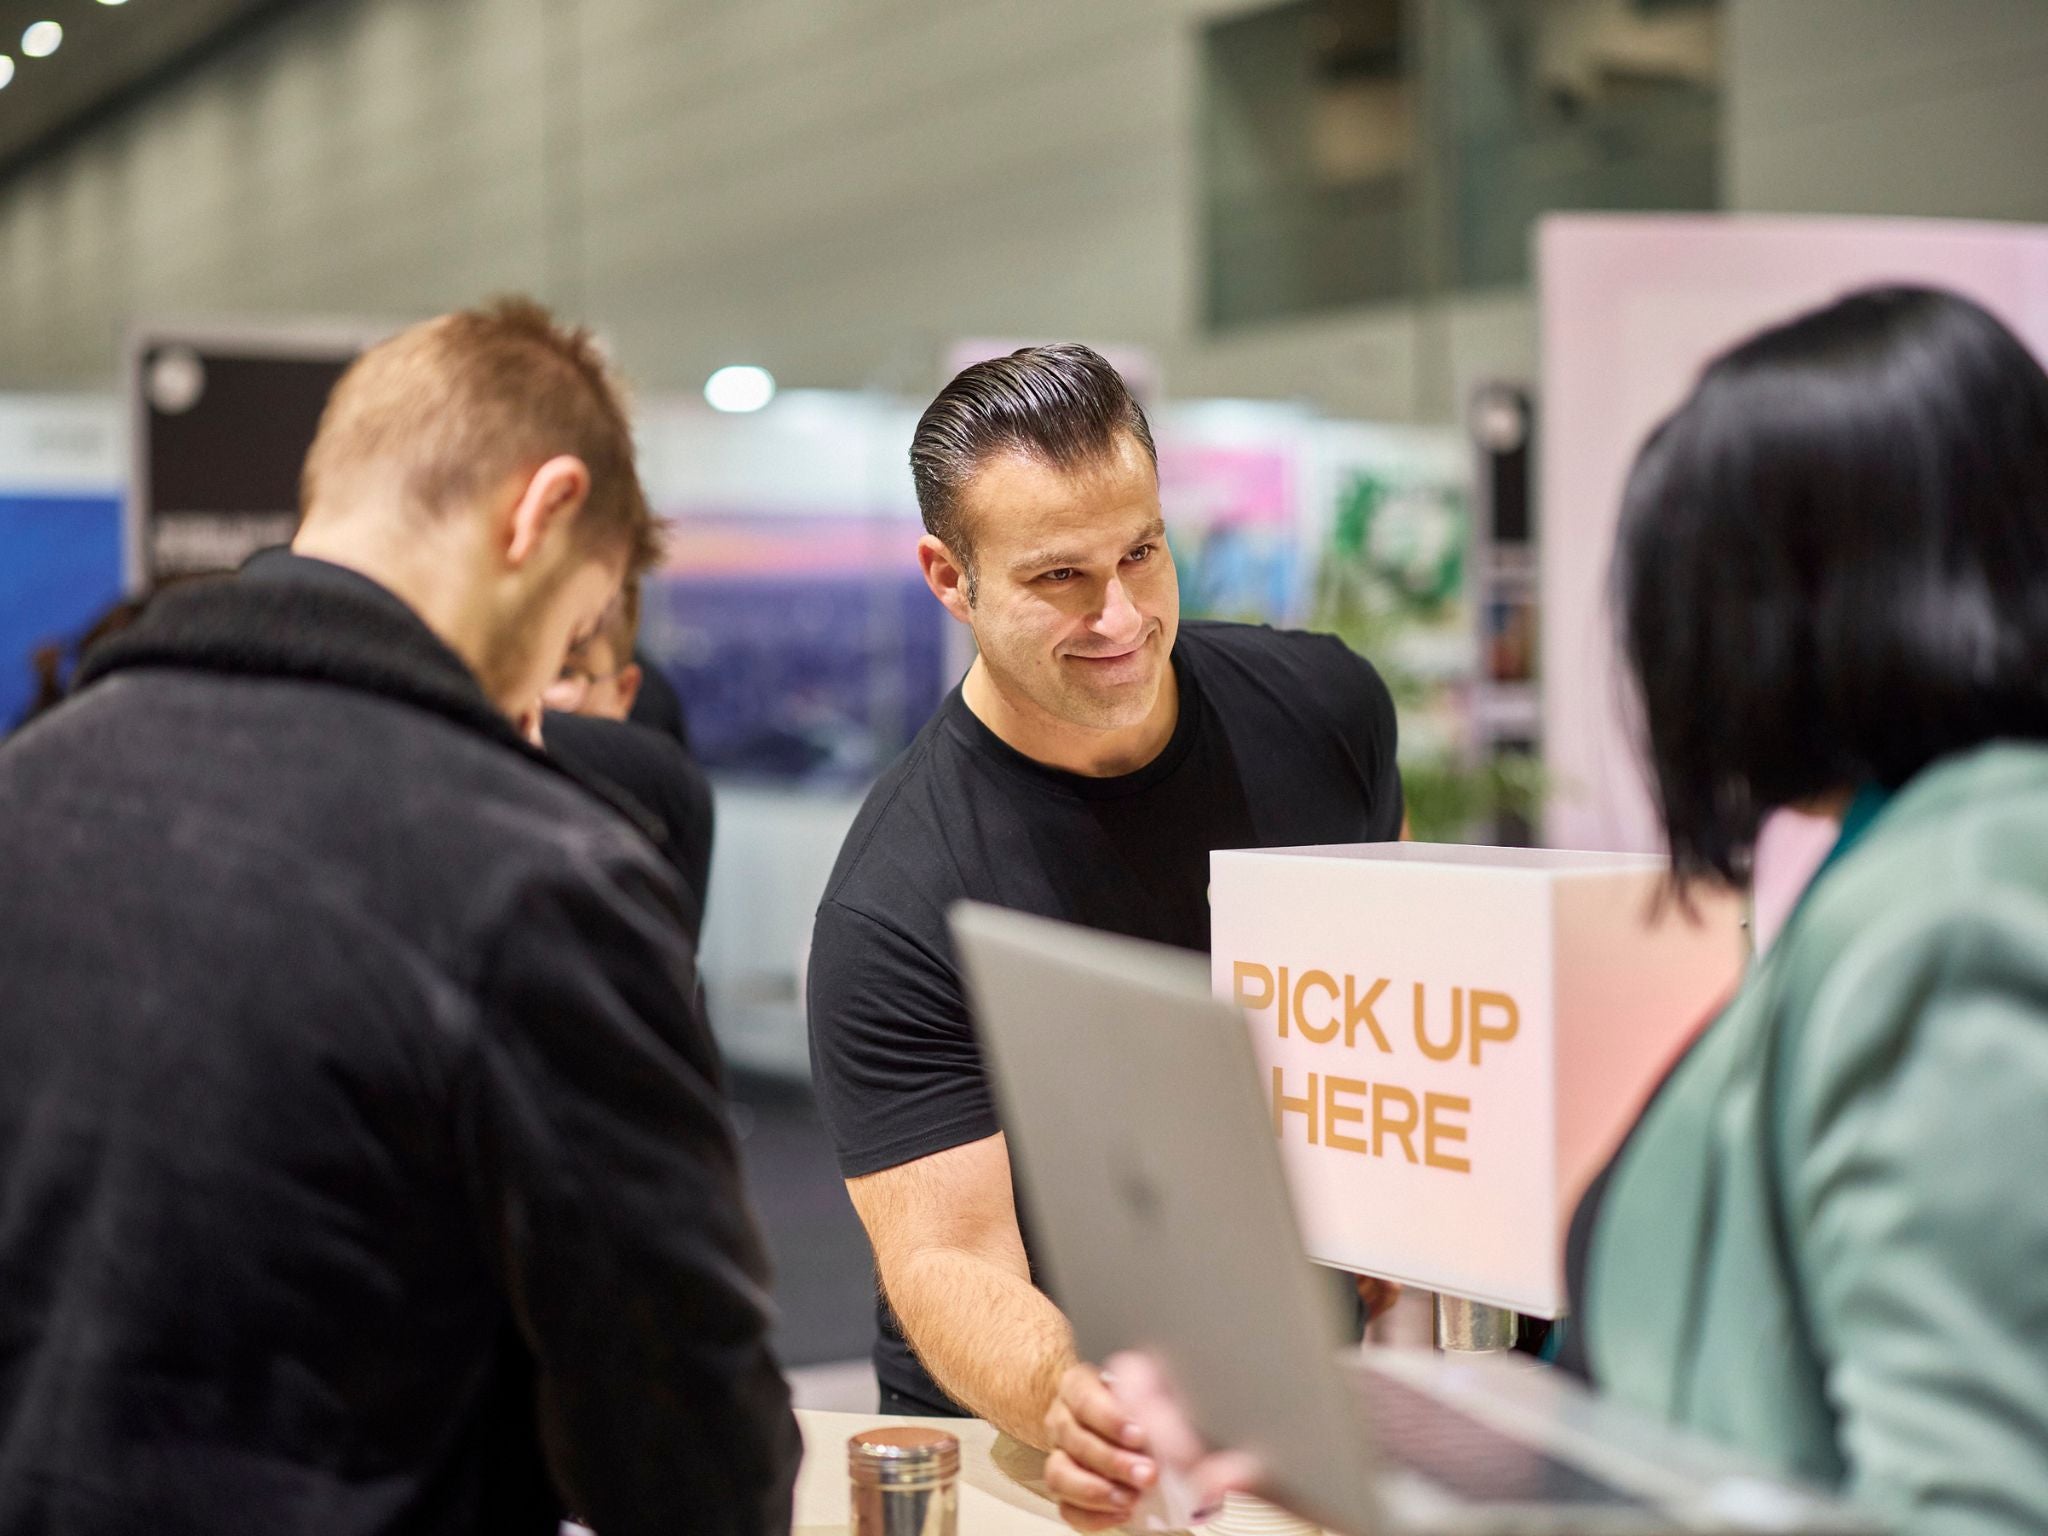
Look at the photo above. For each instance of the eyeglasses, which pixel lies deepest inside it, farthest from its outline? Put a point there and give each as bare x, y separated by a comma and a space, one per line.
572, 686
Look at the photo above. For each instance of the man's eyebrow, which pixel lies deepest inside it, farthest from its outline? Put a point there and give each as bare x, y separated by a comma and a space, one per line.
1054, 559
1047, 559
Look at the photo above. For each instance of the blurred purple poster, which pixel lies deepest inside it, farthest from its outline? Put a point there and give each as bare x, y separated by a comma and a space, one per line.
1231, 519
805, 649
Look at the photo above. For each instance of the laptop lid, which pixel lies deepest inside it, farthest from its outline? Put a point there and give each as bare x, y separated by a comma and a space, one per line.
1154, 1189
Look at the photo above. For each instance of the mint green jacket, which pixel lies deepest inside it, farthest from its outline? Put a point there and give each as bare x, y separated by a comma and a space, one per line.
1826, 1243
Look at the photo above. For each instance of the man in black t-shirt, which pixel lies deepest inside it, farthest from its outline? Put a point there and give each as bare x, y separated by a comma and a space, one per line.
1095, 754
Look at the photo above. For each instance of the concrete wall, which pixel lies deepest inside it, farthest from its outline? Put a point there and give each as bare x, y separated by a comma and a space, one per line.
836, 190
1936, 108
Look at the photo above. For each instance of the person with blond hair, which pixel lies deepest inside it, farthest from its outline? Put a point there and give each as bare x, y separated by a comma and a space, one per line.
363, 1166
592, 724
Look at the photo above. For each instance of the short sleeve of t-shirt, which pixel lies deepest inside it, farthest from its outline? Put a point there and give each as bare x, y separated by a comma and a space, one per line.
1284, 739
897, 1070
1371, 731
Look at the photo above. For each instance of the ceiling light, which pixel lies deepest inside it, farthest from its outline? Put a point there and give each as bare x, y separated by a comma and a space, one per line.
6, 70
113, 2
41, 39
741, 387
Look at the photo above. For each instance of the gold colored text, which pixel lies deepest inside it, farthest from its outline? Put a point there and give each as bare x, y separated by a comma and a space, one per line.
1349, 1115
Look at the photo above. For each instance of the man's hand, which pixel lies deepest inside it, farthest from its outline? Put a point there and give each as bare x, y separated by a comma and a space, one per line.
1127, 1431
1377, 1296
1098, 1450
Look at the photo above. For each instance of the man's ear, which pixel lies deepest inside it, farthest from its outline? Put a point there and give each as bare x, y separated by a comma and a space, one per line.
948, 577
628, 682
553, 496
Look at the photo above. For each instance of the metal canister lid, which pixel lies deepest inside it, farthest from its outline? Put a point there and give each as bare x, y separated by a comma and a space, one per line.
910, 1457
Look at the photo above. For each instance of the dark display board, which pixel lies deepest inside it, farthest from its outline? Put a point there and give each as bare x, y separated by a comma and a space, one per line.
1502, 419
222, 429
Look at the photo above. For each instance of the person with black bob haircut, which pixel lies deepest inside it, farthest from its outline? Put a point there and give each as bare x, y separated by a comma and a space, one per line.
1832, 568
1825, 1242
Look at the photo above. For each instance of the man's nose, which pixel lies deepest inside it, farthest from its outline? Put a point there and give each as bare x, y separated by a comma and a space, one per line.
1119, 620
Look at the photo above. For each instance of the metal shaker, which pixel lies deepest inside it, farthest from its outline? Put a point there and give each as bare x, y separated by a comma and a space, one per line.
906, 1482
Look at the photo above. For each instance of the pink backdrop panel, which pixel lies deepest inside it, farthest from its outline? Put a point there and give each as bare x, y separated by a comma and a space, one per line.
1631, 308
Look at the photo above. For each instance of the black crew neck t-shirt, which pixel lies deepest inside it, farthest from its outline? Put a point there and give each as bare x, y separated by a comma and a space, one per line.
1283, 739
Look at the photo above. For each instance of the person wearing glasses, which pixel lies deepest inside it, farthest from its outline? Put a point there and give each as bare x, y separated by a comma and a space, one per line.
591, 724
601, 676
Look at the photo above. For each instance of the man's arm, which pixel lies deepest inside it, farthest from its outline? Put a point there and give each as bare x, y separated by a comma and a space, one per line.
951, 1256
649, 769
607, 1187
946, 1239
1366, 720
901, 1084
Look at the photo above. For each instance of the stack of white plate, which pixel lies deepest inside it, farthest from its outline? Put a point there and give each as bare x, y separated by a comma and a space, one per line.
1246, 1516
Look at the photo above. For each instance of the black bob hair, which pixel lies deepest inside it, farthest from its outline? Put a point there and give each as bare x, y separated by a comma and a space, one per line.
1832, 565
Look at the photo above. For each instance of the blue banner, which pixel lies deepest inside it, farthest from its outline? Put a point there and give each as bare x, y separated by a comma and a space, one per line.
60, 569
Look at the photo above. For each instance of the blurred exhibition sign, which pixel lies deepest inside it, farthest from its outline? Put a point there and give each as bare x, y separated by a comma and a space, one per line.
222, 418
790, 612
794, 621
60, 532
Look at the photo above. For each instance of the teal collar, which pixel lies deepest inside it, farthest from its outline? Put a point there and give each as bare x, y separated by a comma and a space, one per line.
1864, 809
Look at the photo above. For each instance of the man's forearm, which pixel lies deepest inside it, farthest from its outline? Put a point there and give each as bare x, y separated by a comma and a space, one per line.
991, 1338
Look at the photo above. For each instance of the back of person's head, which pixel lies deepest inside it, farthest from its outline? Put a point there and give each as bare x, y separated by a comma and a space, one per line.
1063, 405
437, 417
1832, 566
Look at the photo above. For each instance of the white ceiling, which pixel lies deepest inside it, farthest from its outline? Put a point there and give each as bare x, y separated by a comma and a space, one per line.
110, 56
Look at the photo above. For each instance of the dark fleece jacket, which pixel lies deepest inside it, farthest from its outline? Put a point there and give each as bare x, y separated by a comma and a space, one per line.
363, 1165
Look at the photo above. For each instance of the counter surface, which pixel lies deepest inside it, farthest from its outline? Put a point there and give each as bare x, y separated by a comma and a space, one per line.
1002, 1492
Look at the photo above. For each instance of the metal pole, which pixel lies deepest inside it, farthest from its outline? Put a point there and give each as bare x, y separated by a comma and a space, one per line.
1473, 1328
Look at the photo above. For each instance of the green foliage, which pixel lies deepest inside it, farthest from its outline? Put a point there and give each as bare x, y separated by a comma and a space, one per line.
1448, 797
1391, 581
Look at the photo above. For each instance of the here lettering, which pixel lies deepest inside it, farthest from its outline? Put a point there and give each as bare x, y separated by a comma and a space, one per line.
1384, 1115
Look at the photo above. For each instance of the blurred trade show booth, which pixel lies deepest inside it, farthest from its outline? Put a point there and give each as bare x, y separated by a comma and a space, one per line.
790, 613
792, 620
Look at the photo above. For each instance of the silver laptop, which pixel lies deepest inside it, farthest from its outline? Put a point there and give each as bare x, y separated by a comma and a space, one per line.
1158, 1206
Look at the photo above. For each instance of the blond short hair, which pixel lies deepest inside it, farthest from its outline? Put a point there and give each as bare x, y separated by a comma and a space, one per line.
457, 404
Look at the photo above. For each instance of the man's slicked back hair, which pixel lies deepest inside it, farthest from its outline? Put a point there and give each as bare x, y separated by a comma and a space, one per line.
1063, 405
456, 405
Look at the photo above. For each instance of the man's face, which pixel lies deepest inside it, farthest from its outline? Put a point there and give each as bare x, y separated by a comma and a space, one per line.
594, 680
1075, 603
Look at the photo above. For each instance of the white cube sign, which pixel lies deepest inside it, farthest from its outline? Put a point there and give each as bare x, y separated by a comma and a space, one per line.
1452, 1040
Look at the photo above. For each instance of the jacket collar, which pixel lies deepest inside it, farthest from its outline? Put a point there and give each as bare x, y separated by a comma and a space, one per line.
286, 616
290, 617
